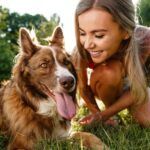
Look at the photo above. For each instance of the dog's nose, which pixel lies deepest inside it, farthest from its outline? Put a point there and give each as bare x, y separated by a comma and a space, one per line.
67, 82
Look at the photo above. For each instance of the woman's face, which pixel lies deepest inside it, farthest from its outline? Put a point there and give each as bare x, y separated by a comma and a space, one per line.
100, 35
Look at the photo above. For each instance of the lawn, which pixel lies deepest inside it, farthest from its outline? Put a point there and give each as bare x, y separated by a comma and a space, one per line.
127, 136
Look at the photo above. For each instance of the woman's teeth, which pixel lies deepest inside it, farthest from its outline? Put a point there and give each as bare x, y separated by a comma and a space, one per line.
95, 53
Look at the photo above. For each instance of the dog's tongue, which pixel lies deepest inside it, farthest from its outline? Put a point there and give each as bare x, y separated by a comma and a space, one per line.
65, 105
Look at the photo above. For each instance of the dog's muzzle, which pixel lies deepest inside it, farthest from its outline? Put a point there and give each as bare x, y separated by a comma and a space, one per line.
68, 83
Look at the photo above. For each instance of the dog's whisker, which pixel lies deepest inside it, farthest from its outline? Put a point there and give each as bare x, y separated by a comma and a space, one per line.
48, 91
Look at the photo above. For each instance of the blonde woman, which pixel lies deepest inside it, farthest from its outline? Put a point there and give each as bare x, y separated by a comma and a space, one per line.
106, 43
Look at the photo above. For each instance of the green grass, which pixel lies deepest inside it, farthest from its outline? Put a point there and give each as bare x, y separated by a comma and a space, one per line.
128, 136
131, 137
3, 142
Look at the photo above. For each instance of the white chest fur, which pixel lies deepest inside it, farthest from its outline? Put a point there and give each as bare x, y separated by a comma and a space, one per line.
47, 107
61, 132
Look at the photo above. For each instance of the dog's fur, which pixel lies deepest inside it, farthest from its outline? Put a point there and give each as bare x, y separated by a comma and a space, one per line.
39, 100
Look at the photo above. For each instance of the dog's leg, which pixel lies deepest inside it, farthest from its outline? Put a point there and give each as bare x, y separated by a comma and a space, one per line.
89, 140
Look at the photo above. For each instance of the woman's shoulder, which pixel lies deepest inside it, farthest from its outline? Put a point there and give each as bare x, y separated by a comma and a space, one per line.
142, 37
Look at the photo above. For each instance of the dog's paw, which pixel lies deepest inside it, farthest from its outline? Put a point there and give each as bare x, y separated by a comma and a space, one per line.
89, 140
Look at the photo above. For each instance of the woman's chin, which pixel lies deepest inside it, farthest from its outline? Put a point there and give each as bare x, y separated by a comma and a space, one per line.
98, 60
102, 57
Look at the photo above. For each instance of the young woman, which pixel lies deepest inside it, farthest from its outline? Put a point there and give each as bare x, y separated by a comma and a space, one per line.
106, 43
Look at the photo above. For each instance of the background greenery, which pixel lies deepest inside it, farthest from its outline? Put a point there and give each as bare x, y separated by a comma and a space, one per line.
143, 12
9, 28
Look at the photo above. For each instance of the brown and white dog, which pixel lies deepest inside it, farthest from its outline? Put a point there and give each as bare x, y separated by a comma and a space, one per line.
39, 100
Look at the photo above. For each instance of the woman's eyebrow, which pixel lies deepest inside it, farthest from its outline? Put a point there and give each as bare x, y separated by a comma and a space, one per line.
99, 30
96, 30
81, 29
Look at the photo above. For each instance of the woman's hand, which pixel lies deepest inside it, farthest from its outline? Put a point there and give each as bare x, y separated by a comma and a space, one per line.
98, 117
90, 118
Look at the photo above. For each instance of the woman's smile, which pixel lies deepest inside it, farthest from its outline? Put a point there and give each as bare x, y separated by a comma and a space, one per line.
96, 53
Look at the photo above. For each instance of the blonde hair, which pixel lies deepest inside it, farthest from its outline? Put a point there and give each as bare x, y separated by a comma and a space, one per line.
124, 14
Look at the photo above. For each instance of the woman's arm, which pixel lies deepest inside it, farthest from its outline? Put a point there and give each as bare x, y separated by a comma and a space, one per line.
125, 101
84, 89
88, 96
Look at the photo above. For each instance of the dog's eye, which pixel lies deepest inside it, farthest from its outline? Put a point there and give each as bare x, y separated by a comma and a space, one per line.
66, 62
43, 65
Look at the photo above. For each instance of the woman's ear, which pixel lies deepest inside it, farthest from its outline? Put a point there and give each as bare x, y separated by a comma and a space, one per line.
126, 35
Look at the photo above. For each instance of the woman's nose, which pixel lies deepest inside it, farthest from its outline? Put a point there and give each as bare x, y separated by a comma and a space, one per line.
88, 43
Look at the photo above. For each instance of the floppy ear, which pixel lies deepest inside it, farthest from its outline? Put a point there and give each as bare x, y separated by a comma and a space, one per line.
57, 37
26, 42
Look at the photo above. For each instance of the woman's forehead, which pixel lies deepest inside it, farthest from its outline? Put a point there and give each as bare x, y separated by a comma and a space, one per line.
96, 19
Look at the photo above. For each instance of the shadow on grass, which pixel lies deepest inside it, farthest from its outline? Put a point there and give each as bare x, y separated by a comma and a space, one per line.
128, 136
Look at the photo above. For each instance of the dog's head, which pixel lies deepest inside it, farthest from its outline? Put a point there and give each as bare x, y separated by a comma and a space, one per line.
47, 71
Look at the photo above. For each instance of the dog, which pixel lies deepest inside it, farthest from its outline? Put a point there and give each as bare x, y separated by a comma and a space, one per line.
39, 100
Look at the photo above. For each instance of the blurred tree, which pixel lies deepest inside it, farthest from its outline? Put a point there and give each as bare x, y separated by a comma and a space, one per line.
47, 28
9, 27
6, 55
6, 59
143, 11
15, 21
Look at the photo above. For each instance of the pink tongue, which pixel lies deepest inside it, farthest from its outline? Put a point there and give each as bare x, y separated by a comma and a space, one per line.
65, 105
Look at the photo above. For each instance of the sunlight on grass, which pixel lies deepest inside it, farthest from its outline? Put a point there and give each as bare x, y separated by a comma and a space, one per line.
126, 136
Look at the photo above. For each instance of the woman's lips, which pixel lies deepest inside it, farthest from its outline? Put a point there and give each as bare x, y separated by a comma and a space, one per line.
95, 53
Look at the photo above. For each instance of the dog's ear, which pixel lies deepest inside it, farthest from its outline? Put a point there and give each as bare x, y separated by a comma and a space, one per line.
57, 37
28, 47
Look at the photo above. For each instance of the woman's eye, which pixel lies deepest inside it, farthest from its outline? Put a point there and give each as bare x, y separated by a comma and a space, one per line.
99, 36
43, 65
82, 34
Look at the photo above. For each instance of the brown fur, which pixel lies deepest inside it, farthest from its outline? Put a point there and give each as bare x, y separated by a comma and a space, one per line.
21, 96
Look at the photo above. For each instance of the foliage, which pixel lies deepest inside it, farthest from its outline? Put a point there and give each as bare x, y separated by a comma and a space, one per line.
6, 59
143, 11
3, 142
46, 28
9, 28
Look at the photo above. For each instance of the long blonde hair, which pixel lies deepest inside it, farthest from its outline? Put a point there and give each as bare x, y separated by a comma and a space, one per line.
124, 14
